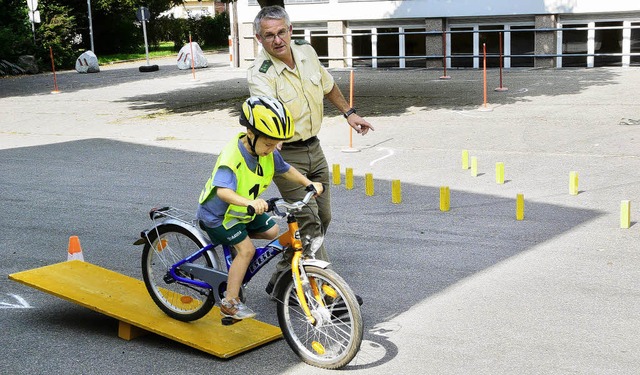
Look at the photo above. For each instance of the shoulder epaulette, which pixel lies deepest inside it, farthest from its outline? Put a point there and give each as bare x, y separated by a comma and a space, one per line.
301, 42
266, 64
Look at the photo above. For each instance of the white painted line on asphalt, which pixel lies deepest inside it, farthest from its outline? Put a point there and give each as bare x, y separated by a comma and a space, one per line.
22, 303
464, 113
389, 153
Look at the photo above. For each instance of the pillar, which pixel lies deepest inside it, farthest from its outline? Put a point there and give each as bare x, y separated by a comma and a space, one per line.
337, 44
545, 41
434, 41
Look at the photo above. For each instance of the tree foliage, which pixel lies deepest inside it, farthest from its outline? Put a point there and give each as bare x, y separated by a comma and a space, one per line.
264, 3
206, 31
15, 29
64, 29
56, 34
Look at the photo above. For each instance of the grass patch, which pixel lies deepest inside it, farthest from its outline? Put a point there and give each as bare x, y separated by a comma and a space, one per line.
163, 50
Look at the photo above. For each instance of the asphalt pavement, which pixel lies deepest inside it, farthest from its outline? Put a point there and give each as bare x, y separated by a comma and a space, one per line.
468, 291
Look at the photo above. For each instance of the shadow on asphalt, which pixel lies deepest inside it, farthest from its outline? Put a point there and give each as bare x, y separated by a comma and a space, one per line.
377, 92
394, 255
390, 92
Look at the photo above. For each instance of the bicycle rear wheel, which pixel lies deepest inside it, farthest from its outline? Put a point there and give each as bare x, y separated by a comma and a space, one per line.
334, 340
166, 245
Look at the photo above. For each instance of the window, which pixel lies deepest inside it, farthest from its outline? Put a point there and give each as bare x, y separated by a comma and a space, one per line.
415, 45
388, 45
361, 47
320, 43
462, 47
635, 44
574, 42
522, 43
491, 39
608, 41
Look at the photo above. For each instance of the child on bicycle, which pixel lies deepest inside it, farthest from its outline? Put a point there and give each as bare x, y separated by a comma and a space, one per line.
244, 170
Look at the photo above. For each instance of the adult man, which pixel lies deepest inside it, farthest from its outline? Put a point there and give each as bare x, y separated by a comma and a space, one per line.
293, 73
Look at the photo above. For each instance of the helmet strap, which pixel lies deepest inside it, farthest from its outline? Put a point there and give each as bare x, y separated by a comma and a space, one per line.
252, 143
253, 149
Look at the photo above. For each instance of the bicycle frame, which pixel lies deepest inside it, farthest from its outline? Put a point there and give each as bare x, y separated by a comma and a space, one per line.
211, 278
317, 310
262, 256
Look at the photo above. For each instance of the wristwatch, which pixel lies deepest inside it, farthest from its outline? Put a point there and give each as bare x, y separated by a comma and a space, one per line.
349, 112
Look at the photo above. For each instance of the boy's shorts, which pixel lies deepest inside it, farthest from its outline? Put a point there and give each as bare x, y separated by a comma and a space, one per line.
237, 233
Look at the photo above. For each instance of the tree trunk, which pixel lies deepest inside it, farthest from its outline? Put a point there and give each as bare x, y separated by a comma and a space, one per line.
264, 3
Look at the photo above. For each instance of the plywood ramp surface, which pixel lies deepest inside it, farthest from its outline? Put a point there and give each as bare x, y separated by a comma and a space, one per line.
126, 299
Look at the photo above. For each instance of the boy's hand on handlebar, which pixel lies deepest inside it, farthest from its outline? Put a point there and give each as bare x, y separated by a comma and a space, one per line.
319, 188
259, 206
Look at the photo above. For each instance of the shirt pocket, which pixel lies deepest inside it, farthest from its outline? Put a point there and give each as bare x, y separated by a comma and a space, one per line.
314, 85
286, 92
313, 90
316, 79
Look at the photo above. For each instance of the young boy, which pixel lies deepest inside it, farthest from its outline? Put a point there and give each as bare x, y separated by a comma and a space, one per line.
244, 170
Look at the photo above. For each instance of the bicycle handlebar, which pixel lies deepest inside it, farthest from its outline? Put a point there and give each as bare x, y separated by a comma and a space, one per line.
277, 204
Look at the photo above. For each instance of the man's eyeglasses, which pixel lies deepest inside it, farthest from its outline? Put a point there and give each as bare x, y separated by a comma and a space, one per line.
271, 37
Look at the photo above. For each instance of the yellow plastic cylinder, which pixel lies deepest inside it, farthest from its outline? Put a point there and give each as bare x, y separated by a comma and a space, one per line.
465, 159
520, 207
573, 183
396, 192
500, 173
348, 178
625, 214
445, 198
336, 174
368, 184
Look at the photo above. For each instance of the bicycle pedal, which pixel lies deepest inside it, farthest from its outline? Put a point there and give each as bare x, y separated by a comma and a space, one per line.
227, 321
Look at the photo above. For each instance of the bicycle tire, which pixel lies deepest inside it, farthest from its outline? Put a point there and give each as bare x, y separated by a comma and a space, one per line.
336, 337
166, 245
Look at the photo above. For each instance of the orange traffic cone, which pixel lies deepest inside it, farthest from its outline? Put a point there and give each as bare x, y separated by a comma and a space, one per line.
75, 251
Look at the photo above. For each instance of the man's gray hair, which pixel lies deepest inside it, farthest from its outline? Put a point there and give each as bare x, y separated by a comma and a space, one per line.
273, 12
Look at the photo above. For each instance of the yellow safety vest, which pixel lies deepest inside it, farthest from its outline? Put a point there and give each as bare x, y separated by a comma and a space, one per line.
250, 184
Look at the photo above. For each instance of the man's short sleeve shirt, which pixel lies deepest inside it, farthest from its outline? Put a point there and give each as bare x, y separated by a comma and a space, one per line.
301, 89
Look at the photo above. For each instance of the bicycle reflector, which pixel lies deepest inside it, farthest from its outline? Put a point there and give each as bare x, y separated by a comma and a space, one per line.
317, 347
328, 290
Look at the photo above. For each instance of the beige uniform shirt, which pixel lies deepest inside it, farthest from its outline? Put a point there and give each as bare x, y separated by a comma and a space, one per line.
301, 89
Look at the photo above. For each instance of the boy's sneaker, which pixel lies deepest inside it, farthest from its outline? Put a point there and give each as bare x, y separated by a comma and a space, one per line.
235, 309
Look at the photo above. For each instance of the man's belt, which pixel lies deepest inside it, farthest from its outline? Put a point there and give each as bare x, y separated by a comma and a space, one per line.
300, 143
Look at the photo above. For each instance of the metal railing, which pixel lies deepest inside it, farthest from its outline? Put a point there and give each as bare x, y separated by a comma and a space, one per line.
453, 56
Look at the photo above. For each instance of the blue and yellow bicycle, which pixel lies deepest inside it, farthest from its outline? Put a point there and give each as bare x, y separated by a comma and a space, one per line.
317, 311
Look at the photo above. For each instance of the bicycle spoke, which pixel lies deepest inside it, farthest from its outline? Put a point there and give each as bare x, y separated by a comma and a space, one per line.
334, 337
179, 300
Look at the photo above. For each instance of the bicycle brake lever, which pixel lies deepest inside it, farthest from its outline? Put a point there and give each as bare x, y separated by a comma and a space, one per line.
271, 203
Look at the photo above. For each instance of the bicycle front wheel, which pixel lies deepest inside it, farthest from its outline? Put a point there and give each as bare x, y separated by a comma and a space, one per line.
166, 245
334, 339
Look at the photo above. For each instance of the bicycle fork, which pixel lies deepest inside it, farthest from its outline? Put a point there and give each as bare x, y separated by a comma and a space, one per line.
302, 283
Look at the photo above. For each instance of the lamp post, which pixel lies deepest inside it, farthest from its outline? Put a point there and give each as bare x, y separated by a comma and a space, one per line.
90, 26
33, 13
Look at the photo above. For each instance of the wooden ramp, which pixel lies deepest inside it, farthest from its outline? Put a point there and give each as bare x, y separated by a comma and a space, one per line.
127, 300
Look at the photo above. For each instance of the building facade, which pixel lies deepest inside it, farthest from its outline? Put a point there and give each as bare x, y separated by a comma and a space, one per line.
459, 33
195, 9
